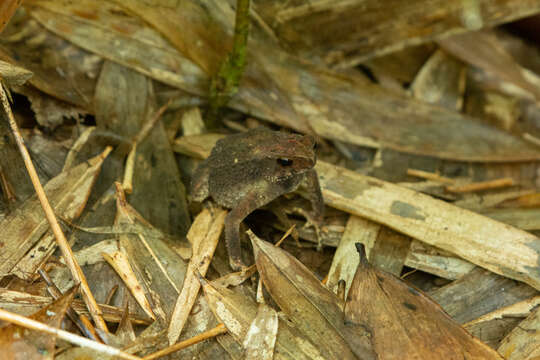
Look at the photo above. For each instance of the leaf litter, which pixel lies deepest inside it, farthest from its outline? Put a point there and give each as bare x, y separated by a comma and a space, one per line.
428, 158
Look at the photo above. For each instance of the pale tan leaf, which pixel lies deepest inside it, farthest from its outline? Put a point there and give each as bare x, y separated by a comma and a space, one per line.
120, 263
261, 336
237, 312
204, 240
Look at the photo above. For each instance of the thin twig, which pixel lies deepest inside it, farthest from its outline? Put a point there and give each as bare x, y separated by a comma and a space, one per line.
482, 185
64, 335
61, 240
218, 330
430, 176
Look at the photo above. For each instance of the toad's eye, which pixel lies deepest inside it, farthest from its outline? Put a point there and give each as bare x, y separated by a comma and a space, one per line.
284, 161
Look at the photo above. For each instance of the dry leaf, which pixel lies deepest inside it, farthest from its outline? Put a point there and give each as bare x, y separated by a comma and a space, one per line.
313, 309
143, 49
403, 322
356, 30
7, 9
237, 312
261, 336
120, 263
26, 304
13, 75
68, 193
20, 343
204, 240
283, 90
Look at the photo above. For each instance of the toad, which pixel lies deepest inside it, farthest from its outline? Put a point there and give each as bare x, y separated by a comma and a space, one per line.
248, 170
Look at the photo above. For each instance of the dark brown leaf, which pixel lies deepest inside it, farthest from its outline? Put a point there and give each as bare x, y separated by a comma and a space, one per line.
403, 322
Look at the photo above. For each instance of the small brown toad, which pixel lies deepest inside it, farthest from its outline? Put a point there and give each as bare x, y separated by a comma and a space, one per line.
248, 170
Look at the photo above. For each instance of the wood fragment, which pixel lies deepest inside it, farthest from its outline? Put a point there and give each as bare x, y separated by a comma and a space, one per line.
390, 251
479, 292
520, 308
522, 342
438, 262
343, 264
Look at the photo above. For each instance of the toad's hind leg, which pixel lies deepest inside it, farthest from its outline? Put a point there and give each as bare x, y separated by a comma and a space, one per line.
244, 207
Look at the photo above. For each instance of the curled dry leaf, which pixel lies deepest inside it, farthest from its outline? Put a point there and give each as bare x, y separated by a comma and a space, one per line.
313, 309
403, 322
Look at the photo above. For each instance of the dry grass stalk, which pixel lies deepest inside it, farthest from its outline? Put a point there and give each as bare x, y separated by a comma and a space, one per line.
64, 335
63, 244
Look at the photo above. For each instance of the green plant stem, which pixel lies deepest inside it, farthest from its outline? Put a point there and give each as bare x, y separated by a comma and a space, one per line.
224, 84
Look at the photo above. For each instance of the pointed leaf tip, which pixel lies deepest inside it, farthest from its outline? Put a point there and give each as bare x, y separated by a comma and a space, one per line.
362, 253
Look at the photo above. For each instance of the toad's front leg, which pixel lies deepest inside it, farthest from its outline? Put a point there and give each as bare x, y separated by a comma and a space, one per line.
244, 207
314, 195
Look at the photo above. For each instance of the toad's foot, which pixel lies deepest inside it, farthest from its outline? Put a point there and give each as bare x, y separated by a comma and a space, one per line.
315, 221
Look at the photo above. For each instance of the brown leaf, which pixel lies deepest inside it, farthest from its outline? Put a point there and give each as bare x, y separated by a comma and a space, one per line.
7, 9
362, 29
403, 322
314, 310
17, 342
